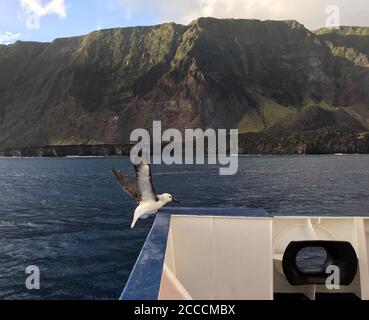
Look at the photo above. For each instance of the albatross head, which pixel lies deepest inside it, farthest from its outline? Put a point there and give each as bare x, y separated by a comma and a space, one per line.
166, 198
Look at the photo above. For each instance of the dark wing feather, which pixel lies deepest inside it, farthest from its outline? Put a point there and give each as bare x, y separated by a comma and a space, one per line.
127, 185
144, 182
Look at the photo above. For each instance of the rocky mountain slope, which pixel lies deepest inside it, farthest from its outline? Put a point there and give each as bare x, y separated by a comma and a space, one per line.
274, 80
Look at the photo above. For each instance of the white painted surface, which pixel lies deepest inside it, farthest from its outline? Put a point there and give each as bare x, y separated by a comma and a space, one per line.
222, 258
241, 257
171, 288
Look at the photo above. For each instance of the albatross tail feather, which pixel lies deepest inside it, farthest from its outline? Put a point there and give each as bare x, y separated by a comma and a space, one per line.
135, 219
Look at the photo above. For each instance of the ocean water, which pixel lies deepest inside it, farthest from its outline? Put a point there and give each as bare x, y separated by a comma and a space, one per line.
70, 218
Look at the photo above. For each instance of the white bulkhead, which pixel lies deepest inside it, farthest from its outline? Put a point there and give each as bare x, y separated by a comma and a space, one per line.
240, 258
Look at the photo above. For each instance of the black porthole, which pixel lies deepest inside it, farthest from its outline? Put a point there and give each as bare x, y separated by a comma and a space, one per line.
301, 269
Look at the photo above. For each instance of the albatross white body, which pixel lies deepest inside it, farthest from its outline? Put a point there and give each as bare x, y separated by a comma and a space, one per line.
149, 207
142, 190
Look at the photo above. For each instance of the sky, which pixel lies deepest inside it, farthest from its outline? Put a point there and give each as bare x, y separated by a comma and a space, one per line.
45, 20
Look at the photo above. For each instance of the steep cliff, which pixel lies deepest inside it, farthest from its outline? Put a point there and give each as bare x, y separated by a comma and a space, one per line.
263, 77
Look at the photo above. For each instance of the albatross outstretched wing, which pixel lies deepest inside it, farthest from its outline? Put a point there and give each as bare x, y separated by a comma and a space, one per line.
127, 185
144, 182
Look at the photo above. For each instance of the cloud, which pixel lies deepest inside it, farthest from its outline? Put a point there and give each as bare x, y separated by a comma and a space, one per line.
33, 10
36, 7
8, 37
312, 13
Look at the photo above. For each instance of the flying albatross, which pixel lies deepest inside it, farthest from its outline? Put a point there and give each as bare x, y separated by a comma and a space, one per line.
142, 190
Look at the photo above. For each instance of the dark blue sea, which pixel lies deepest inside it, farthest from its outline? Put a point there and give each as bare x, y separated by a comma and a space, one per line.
70, 218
